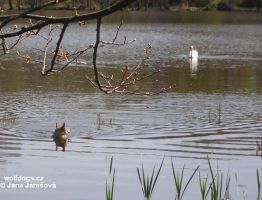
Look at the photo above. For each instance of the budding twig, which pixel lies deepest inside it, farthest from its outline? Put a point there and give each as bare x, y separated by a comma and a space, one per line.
59, 58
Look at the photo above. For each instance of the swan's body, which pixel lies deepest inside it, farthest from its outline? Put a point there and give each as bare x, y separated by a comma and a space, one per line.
193, 53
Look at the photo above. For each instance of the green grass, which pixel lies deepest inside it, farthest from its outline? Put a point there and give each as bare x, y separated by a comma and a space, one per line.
217, 183
204, 190
110, 182
212, 186
258, 186
179, 178
148, 182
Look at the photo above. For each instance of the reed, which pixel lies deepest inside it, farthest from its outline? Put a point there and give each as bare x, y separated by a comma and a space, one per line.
258, 186
216, 185
101, 121
110, 182
259, 148
215, 114
204, 190
219, 113
148, 182
178, 178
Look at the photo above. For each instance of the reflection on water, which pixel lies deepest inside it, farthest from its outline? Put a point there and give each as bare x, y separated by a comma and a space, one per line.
215, 109
193, 62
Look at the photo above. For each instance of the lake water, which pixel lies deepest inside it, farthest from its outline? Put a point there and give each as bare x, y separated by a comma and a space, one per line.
215, 109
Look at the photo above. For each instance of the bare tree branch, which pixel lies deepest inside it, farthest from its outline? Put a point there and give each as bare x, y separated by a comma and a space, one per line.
85, 17
95, 53
57, 49
10, 18
129, 77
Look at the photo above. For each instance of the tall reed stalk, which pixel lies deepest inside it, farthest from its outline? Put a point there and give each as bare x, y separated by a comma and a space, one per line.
148, 182
217, 184
258, 186
219, 113
110, 182
178, 178
218, 188
204, 190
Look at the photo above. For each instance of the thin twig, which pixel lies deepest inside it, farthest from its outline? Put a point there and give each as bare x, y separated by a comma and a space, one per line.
56, 50
117, 31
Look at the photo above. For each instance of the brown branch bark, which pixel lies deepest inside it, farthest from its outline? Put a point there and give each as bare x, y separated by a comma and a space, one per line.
76, 56
44, 20
117, 31
85, 17
37, 26
9, 18
95, 54
56, 50
105, 83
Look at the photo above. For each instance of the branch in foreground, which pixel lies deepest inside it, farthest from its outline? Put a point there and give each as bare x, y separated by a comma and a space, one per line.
44, 20
129, 79
106, 83
10, 18
56, 50
95, 54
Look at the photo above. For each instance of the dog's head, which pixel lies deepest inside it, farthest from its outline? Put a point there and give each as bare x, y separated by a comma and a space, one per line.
63, 128
60, 131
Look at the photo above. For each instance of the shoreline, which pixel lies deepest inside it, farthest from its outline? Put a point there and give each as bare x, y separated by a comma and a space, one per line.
150, 9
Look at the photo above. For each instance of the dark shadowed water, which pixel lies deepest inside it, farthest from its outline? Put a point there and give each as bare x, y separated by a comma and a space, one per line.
215, 109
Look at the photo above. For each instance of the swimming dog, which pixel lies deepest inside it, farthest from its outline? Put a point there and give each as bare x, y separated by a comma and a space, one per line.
61, 136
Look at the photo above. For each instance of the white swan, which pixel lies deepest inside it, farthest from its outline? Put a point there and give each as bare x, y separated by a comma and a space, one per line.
193, 53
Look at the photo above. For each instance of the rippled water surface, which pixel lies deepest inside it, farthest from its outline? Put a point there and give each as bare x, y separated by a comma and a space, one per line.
215, 110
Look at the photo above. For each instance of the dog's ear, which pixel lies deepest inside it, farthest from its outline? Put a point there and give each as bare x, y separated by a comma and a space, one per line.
56, 125
63, 126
